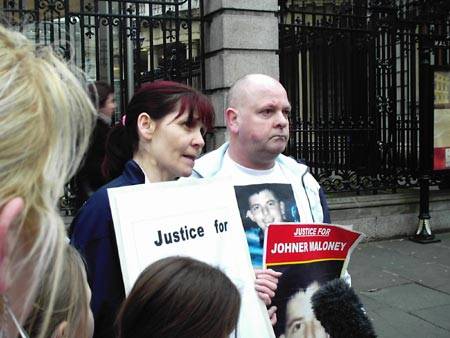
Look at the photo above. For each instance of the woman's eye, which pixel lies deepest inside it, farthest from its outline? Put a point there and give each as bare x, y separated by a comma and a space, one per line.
186, 124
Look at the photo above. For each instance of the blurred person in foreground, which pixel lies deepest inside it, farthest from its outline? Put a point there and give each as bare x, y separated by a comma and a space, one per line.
71, 316
180, 297
46, 118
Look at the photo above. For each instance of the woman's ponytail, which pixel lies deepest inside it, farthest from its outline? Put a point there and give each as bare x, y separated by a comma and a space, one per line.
119, 150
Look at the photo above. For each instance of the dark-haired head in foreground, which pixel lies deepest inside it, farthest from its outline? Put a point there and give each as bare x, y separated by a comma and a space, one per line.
180, 297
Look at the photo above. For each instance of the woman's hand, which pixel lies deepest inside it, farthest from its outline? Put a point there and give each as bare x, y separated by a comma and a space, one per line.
266, 284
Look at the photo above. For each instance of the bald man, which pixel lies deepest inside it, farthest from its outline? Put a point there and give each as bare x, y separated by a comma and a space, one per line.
257, 118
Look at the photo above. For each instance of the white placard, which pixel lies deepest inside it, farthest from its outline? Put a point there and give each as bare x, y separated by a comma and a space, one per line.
198, 218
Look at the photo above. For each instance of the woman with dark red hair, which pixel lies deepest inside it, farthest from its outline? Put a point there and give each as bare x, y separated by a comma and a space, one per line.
158, 139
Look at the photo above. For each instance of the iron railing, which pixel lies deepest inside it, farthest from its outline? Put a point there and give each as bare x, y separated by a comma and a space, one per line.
351, 69
124, 43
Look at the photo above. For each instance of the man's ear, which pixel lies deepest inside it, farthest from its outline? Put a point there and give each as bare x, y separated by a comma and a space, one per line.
231, 118
250, 215
283, 210
146, 126
8, 215
60, 330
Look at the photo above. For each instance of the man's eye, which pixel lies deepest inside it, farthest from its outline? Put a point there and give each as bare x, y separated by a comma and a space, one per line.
297, 326
255, 208
267, 112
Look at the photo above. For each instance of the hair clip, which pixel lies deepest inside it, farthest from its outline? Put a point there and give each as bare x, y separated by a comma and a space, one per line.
123, 120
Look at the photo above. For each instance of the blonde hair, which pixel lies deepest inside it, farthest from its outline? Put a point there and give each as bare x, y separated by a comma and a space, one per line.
71, 302
46, 119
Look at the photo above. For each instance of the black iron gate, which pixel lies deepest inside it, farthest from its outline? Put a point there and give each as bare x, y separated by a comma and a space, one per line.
351, 69
122, 42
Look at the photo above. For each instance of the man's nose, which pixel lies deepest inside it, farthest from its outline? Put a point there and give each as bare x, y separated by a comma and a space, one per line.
282, 120
266, 213
311, 330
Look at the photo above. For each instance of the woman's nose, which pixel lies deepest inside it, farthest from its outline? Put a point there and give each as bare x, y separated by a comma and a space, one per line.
198, 140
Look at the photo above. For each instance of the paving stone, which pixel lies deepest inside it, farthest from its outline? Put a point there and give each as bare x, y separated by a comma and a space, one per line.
370, 304
391, 323
404, 286
437, 315
410, 297
428, 253
444, 287
384, 258
370, 279
368, 268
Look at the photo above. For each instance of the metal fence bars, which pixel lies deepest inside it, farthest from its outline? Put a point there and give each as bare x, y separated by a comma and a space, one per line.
351, 69
124, 43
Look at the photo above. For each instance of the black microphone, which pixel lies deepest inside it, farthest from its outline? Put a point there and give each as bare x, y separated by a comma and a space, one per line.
341, 312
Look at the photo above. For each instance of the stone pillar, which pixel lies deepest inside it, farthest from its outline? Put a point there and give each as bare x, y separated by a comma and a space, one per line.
241, 37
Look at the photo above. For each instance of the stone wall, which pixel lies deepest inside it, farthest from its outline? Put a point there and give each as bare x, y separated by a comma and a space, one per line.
390, 215
241, 37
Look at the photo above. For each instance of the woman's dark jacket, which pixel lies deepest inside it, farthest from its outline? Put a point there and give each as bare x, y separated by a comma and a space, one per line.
92, 234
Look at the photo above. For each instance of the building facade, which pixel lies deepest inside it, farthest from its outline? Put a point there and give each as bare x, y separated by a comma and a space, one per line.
356, 73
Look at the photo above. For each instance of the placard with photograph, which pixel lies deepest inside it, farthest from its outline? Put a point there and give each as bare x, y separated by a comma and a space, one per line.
262, 204
198, 218
308, 255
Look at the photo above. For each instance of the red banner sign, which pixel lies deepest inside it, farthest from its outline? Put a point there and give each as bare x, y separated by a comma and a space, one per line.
295, 243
